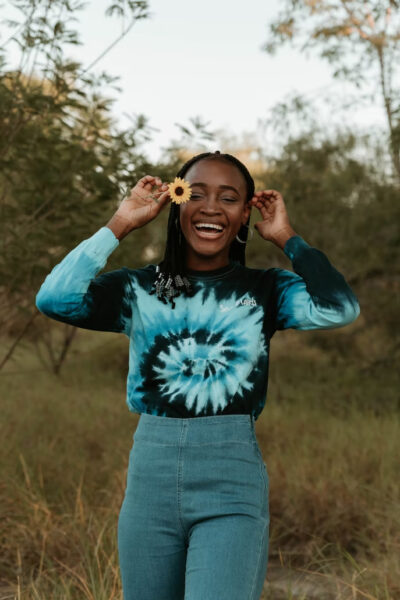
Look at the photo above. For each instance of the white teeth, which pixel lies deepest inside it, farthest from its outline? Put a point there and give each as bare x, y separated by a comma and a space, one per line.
210, 225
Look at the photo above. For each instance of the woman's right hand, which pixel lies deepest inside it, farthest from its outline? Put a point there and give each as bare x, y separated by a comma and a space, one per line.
141, 206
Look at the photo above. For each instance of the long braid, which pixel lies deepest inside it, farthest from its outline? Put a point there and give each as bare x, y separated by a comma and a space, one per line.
171, 278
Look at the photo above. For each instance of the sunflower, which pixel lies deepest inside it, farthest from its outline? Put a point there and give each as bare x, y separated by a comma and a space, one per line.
179, 190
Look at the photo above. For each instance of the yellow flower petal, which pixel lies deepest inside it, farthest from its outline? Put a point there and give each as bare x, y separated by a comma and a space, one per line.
179, 190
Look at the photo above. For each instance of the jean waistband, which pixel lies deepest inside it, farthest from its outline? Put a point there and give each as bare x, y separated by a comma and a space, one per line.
195, 430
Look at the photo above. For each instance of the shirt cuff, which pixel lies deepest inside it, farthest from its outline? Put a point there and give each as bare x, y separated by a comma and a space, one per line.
294, 246
101, 243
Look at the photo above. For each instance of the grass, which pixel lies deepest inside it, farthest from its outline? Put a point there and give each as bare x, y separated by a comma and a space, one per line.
332, 458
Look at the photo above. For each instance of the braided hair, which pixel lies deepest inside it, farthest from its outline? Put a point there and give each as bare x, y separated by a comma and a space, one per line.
171, 278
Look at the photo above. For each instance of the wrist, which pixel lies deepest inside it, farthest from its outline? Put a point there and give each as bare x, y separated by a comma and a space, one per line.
119, 226
282, 236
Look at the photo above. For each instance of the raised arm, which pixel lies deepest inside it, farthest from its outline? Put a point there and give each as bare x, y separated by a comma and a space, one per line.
72, 293
316, 296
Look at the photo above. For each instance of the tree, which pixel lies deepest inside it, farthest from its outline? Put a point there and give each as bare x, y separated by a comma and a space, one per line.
339, 201
360, 39
64, 165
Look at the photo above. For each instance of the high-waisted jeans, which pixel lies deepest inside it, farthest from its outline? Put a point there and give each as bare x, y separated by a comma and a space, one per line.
194, 521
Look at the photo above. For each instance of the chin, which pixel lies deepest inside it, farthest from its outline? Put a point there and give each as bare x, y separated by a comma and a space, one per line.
211, 251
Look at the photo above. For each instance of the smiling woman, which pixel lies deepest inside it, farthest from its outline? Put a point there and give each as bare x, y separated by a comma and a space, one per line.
222, 189
194, 520
213, 207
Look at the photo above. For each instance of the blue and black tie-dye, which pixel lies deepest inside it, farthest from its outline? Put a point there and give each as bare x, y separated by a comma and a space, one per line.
209, 355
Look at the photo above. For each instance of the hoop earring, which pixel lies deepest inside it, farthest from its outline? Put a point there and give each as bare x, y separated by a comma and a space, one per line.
251, 235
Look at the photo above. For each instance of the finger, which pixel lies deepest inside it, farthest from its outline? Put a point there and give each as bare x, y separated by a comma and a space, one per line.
162, 190
272, 195
266, 208
150, 184
266, 192
163, 200
268, 201
148, 181
272, 192
263, 203
264, 212
148, 178
157, 193
259, 196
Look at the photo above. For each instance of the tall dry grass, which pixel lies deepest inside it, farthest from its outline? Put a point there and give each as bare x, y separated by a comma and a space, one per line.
333, 465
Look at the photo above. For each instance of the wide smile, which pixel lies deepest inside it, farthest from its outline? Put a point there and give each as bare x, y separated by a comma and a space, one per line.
211, 234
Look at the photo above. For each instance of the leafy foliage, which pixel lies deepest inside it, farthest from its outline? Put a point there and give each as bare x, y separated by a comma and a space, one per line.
361, 40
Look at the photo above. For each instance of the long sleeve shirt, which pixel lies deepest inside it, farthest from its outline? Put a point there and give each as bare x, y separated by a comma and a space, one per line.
210, 354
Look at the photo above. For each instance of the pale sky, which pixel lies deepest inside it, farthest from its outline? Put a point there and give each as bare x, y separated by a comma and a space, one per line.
203, 59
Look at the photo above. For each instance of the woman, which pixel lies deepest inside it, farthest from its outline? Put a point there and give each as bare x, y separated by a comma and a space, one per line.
194, 520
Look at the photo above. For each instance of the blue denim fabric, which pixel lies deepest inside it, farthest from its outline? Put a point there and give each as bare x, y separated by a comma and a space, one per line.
194, 522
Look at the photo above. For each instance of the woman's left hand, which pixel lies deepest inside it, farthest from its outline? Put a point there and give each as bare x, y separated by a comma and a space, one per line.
273, 211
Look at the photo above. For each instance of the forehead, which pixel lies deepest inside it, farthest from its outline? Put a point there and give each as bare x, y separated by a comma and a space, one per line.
215, 173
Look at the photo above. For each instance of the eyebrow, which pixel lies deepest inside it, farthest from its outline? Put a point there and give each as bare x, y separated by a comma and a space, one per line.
222, 186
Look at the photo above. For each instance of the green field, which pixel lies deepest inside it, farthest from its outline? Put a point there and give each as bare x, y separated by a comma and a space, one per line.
329, 433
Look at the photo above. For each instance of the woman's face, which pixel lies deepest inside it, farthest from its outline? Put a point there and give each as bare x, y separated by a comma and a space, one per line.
212, 203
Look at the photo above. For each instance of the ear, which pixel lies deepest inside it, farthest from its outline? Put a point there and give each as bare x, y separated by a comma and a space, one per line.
246, 213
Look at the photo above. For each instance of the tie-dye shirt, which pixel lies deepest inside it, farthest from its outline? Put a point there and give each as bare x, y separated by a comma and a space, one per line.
209, 355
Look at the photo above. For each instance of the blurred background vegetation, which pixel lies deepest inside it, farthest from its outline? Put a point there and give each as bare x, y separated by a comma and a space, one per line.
330, 429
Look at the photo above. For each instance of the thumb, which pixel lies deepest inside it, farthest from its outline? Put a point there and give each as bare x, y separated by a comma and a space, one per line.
163, 199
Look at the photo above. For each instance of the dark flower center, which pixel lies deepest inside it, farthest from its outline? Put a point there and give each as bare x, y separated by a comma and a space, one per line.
179, 190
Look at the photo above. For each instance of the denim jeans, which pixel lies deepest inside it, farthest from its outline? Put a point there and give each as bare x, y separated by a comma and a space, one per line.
194, 522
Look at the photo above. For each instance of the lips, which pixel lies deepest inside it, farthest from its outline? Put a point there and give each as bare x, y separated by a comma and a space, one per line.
208, 223
212, 234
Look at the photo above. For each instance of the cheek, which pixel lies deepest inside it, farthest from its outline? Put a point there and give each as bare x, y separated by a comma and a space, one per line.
237, 215
185, 215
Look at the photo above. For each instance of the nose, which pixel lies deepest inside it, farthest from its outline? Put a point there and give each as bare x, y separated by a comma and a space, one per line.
210, 204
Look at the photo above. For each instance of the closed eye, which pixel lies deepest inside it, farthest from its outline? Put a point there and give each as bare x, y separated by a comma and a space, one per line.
228, 199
